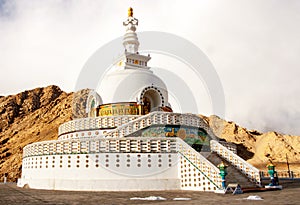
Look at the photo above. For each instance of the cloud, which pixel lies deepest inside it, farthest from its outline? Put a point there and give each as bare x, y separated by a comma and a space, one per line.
254, 46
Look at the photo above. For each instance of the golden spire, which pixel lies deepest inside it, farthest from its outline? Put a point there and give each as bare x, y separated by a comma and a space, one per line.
130, 12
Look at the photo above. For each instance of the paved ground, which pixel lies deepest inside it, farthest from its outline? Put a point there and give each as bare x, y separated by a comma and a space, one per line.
11, 194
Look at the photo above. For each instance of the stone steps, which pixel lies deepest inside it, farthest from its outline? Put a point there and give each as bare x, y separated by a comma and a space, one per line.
234, 175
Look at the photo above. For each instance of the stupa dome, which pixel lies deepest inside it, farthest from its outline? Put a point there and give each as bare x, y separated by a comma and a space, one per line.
130, 88
131, 85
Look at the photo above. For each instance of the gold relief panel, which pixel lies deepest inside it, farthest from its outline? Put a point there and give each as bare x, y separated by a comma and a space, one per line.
114, 109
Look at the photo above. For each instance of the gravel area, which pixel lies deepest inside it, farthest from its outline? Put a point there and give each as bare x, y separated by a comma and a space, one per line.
11, 194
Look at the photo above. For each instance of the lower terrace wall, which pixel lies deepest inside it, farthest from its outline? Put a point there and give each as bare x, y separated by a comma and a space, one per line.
102, 172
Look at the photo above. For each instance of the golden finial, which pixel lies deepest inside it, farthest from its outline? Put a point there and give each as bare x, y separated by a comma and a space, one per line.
130, 12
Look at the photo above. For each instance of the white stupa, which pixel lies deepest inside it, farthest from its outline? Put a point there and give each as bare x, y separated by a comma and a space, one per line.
131, 139
132, 81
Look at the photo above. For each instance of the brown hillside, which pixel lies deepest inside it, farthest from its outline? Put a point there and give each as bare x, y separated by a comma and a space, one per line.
35, 115
28, 117
264, 146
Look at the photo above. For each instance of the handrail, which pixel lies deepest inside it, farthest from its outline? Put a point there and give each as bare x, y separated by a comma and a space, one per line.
165, 145
249, 170
127, 121
199, 170
199, 162
116, 130
90, 123
181, 119
282, 174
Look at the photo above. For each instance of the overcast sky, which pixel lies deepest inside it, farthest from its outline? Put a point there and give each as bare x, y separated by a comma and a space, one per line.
253, 45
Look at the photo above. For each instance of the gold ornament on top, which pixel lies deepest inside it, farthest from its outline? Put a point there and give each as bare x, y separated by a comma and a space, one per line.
131, 20
130, 12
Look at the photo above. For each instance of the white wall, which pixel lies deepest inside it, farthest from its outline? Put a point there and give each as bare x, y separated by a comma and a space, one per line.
105, 171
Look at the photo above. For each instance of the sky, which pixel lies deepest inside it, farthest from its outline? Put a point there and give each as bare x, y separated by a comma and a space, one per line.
254, 46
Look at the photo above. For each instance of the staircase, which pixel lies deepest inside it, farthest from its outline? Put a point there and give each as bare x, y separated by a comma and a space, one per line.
197, 173
159, 118
251, 172
234, 176
205, 164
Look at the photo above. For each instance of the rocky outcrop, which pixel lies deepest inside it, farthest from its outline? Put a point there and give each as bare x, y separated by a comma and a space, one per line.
29, 117
79, 103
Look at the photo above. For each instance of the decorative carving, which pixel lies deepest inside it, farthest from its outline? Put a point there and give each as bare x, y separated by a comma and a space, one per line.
119, 109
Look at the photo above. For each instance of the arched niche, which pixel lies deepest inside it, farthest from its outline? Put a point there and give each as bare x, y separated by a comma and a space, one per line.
93, 101
151, 99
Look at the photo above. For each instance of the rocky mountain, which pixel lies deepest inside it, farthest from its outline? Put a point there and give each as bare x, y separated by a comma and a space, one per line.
29, 117
35, 115
260, 148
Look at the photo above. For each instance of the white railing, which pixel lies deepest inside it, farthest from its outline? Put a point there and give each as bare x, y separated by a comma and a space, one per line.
106, 122
200, 162
250, 171
126, 125
159, 118
90, 145
127, 145
232, 147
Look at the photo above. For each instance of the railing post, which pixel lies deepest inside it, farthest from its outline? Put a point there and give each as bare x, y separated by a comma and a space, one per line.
291, 174
5, 178
261, 174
